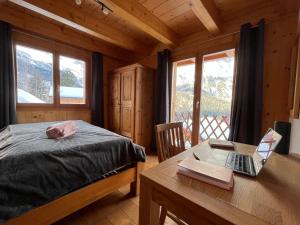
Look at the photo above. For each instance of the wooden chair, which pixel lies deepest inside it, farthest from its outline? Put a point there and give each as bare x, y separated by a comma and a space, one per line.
169, 142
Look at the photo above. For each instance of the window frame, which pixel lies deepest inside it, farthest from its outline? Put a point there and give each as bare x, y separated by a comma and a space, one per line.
57, 50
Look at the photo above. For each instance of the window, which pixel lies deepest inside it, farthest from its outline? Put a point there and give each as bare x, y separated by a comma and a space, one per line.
34, 75
50, 74
72, 80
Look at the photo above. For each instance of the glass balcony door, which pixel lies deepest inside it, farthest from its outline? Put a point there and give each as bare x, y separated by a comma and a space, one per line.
183, 97
217, 79
202, 96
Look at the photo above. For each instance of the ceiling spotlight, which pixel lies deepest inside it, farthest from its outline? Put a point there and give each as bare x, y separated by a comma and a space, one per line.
78, 2
104, 8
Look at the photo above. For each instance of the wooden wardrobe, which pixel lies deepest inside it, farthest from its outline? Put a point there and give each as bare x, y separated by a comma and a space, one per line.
131, 103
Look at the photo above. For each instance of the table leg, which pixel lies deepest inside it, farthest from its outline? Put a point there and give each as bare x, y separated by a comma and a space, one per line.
149, 210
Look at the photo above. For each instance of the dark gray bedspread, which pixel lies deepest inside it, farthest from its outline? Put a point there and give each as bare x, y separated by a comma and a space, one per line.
35, 170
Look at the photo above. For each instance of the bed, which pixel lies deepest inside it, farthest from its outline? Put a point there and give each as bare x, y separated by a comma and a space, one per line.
43, 180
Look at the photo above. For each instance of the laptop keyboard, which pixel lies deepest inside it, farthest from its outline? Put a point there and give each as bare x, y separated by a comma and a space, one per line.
239, 163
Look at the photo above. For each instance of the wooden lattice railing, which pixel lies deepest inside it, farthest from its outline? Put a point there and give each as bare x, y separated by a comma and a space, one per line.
210, 126
187, 119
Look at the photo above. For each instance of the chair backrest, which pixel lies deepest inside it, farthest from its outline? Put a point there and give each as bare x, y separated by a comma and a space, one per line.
169, 140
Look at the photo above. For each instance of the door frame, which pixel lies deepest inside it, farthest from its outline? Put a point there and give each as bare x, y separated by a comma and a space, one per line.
197, 99
198, 87
210, 49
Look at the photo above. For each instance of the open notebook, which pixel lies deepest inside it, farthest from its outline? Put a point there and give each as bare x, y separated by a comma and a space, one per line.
206, 172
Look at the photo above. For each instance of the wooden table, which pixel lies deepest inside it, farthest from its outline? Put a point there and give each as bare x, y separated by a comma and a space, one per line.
273, 197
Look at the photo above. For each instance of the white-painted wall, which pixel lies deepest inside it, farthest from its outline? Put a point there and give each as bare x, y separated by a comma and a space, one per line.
295, 136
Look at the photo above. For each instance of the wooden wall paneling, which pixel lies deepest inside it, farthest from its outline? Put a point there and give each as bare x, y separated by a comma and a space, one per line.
296, 100
290, 5
151, 59
35, 23
293, 78
193, 48
62, 115
82, 115
41, 115
247, 9
23, 117
234, 5
280, 37
298, 30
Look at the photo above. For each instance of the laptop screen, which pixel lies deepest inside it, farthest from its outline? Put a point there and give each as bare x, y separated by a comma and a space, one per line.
265, 148
268, 144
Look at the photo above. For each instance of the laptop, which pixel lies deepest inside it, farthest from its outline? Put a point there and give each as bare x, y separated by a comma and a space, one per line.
249, 165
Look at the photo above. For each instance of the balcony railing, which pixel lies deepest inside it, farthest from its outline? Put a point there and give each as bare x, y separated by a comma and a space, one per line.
210, 127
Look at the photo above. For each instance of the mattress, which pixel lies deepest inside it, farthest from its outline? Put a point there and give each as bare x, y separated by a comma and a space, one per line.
35, 170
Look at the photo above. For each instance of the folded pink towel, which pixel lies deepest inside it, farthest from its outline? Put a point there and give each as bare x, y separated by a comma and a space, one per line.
62, 130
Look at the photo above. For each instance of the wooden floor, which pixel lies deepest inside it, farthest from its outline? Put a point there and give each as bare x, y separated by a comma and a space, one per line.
115, 209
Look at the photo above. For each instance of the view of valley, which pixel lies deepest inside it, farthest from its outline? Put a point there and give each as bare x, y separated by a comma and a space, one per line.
35, 76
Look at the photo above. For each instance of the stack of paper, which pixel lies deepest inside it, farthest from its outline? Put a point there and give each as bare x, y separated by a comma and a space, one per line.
206, 172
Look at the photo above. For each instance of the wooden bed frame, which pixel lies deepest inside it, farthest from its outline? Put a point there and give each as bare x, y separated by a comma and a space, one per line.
68, 204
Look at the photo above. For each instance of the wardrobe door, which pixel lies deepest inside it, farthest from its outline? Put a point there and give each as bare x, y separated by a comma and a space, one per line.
127, 103
115, 102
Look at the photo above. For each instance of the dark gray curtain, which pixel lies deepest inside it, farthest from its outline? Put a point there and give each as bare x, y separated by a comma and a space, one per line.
97, 90
246, 114
7, 81
162, 91
163, 88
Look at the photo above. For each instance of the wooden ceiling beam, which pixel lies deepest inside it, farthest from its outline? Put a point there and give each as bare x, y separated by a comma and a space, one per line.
207, 13
136, 14
34, 23
73, 17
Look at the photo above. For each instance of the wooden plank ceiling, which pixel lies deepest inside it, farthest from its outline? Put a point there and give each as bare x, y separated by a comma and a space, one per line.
140, 25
